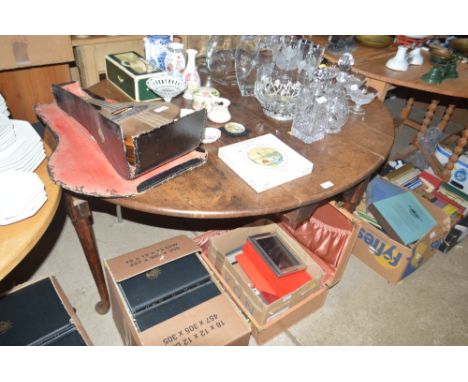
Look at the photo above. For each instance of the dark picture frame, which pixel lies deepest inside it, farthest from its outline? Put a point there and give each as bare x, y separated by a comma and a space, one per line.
276, 254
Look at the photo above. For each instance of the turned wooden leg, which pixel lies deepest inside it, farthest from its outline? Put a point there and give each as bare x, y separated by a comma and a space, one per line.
80, 215
457, 151
414, 145
427, 119
405, 112
353, 196
446, 118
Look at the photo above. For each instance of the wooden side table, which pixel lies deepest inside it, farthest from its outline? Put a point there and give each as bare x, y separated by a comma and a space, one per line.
90, 53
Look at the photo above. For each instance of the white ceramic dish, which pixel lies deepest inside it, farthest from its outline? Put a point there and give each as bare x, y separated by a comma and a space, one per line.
211, 135
22, 194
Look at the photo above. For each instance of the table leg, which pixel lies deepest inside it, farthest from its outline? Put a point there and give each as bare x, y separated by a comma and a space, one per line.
295, 217
80, 215
353, 196
405, 112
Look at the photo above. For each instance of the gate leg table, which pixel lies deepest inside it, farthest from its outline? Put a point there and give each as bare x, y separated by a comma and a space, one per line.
341, 162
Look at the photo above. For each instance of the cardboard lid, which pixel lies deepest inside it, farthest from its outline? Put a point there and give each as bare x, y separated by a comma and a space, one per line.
141, 260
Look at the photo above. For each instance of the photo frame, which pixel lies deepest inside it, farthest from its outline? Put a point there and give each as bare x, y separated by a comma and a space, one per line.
276, 254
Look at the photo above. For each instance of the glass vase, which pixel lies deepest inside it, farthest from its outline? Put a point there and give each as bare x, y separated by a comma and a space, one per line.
220, 59
246, 63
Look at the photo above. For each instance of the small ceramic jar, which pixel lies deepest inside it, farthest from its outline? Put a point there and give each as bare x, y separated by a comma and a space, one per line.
202, 97
218, 111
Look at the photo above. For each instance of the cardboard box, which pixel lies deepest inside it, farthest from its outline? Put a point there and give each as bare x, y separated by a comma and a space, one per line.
129, 72
39, 313
234, 274
395, 261
27, 51
215, 321
269, 320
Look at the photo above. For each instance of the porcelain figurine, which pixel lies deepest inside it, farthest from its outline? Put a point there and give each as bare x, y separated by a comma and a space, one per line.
190, 75
399, 62
415, 57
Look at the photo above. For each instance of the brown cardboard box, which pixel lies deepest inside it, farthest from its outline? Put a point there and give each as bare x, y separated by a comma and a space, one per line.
27, 51
391, 259
213, 322
270, 320
234, 275
66, 305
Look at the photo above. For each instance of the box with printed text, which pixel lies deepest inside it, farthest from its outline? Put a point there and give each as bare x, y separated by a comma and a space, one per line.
391, 259
164, 295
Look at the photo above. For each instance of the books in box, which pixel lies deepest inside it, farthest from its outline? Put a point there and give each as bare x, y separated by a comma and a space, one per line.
403, 217
163, 292
265, 162
38, 314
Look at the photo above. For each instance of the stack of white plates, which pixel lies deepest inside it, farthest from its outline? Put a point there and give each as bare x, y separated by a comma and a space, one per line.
21, 195
7, 132
21, 148
3, 107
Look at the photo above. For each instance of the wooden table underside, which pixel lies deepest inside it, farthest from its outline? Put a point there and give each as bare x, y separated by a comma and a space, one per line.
214, 191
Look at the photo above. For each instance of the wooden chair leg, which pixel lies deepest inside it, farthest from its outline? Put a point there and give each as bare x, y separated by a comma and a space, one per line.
405, 112
457, 151
446, 118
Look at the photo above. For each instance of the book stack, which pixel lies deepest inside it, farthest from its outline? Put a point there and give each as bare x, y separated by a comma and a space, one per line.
406, 176
395, 211
455, 194
452, 201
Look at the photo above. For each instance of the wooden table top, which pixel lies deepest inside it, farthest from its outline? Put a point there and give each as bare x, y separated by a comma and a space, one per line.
17, 239
371, 63
215, 191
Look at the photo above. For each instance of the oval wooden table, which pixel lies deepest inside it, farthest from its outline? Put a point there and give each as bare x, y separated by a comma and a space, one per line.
17, 239
214, 191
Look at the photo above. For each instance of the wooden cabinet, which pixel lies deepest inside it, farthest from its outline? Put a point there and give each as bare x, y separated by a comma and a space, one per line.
29, 65
28, 51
